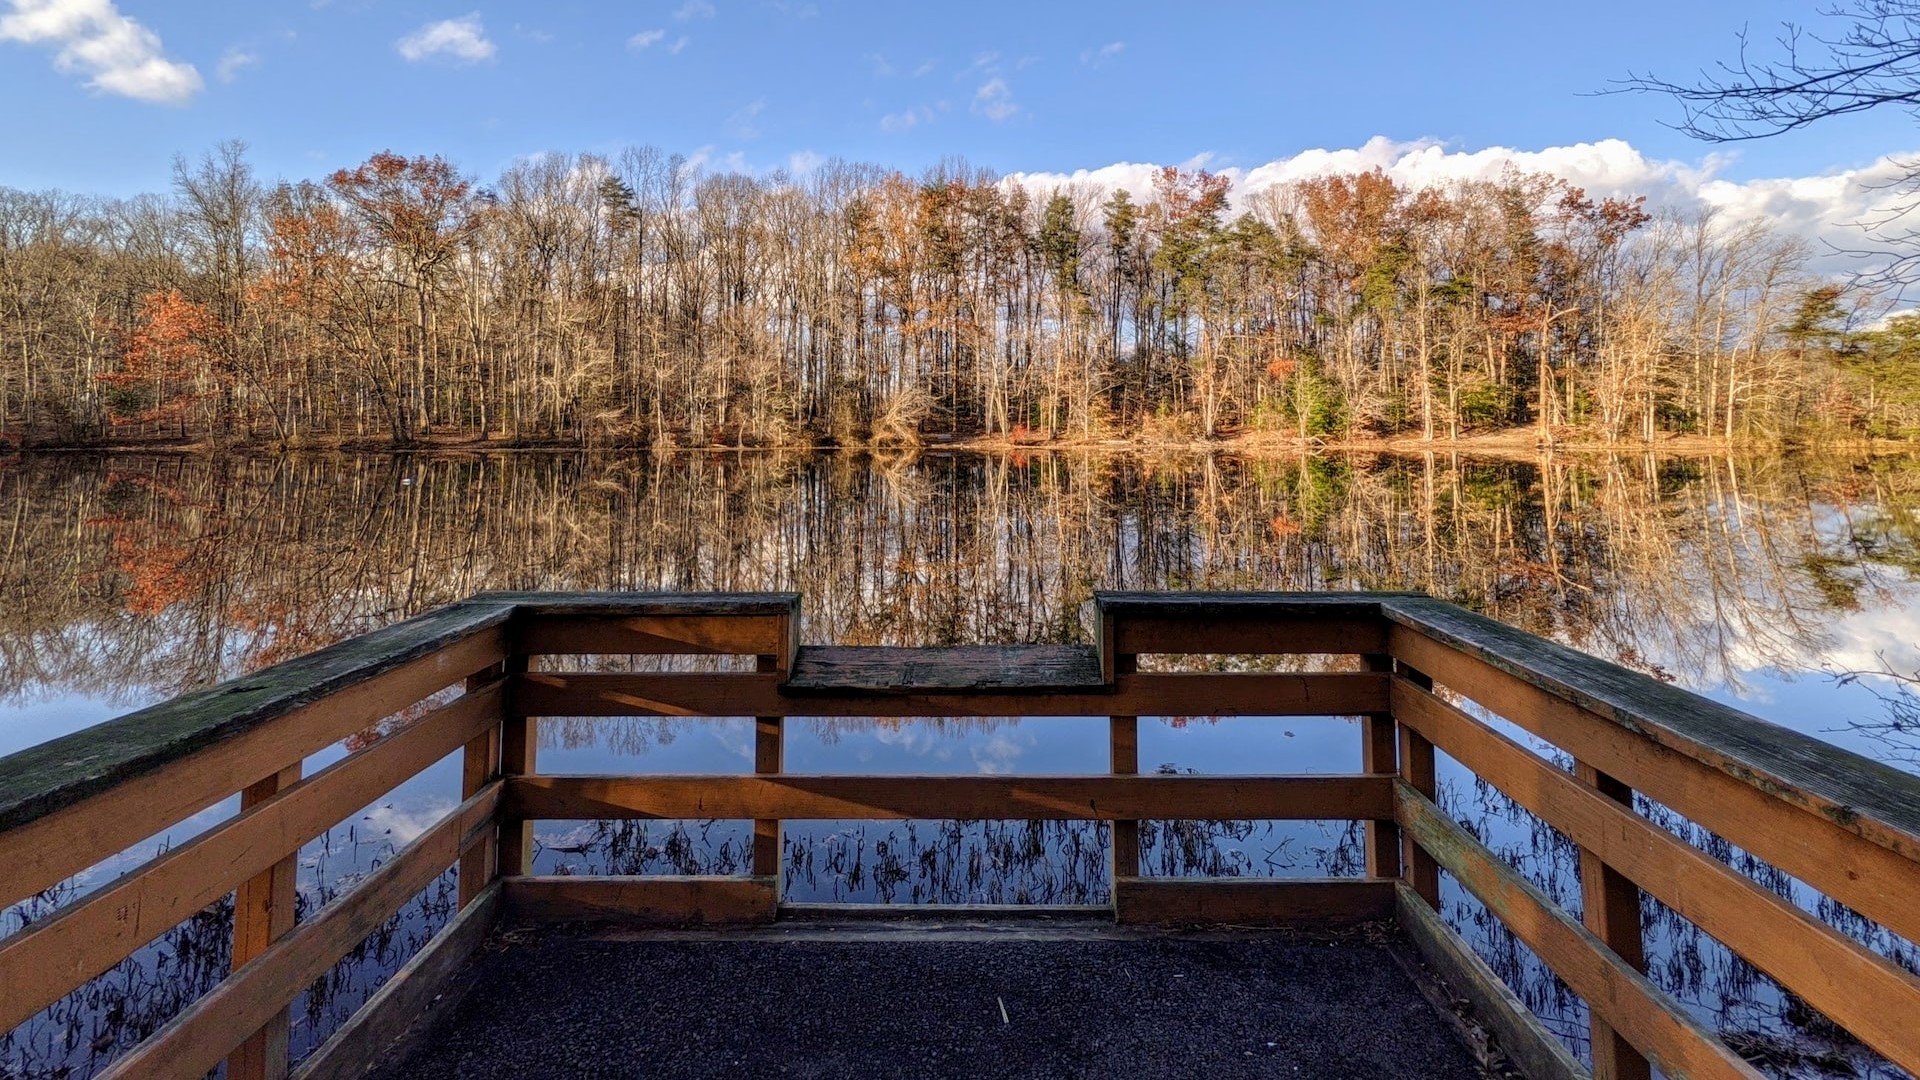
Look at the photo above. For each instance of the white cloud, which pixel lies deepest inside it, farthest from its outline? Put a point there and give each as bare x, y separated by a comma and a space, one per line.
679, 43
1096, 57
1819, 209
234, 61
463, 39
994, 100
881, 68
401, 825
907, 120
645, 38
118, 55
694, 9
999, 755
741, 125
802, 162
926, 68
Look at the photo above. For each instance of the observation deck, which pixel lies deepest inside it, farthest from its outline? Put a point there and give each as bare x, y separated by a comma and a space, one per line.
597, 975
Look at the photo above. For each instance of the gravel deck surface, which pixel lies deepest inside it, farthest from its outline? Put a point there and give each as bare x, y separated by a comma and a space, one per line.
907, 1004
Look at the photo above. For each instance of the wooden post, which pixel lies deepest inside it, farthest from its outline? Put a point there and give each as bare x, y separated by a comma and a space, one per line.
1610, 907
519, 753
1123, 735
480, 763
1379, 753
768, 760
263, 914
1416, 768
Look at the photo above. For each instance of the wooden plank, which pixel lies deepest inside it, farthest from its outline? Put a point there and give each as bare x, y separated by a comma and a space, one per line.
533, 605
42, 779
1657, 1025
1254, 634
263, 909
1123, 754
1380, 753
44, 962
137, 775
479, 766
1870, 996
1245, 622
519, 757
1518, 1034
1122, 604
1091, 918
1872, 878
647, 901
423, 988
769, 759
736, 635
959, 669
1865, 797
1417, 770
1123, 739
1058, 798
201, 1034
1250, 901
1610, 907
1154, 694
564, 606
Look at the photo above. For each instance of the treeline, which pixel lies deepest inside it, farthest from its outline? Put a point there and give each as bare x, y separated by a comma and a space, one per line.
640, 301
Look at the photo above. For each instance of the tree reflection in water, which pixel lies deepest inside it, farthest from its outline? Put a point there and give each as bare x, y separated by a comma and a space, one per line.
128, 579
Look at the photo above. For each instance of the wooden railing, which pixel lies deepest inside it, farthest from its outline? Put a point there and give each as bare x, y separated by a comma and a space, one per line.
1844, 826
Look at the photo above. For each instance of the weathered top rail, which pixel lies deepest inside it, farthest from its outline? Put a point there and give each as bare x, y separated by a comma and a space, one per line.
1856, 793
1846, 826
55, 774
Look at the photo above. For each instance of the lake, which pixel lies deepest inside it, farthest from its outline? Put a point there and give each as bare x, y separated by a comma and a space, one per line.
1754, 580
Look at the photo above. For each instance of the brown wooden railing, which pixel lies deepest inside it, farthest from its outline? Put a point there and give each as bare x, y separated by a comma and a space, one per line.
1846, 827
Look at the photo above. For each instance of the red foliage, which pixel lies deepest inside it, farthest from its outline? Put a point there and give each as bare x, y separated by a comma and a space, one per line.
1184, 193
176, 348
420, 206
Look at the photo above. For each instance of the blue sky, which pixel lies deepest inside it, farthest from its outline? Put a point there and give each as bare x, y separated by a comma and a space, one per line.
100, 94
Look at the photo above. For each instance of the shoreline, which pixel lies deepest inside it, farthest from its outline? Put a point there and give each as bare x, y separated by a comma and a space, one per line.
1509, 444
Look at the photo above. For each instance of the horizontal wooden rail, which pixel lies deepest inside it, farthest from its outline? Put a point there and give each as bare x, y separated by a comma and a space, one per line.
86, 797
1157, 694
1252, 634
1874, 879
606, 635
1058, 798
414, 992
1655, 1023
197, 1039
1521, 1037
1251, 901
1870, 799
1866, 994
42, 963
626, 624
1135, 623
663, 899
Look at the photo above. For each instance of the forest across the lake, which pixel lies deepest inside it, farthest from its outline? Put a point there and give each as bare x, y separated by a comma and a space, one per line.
636, 300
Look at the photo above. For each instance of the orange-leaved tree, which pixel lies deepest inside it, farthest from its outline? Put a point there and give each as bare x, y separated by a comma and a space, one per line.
175, 358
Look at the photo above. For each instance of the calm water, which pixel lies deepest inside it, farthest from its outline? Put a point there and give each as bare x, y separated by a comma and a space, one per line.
130, 579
